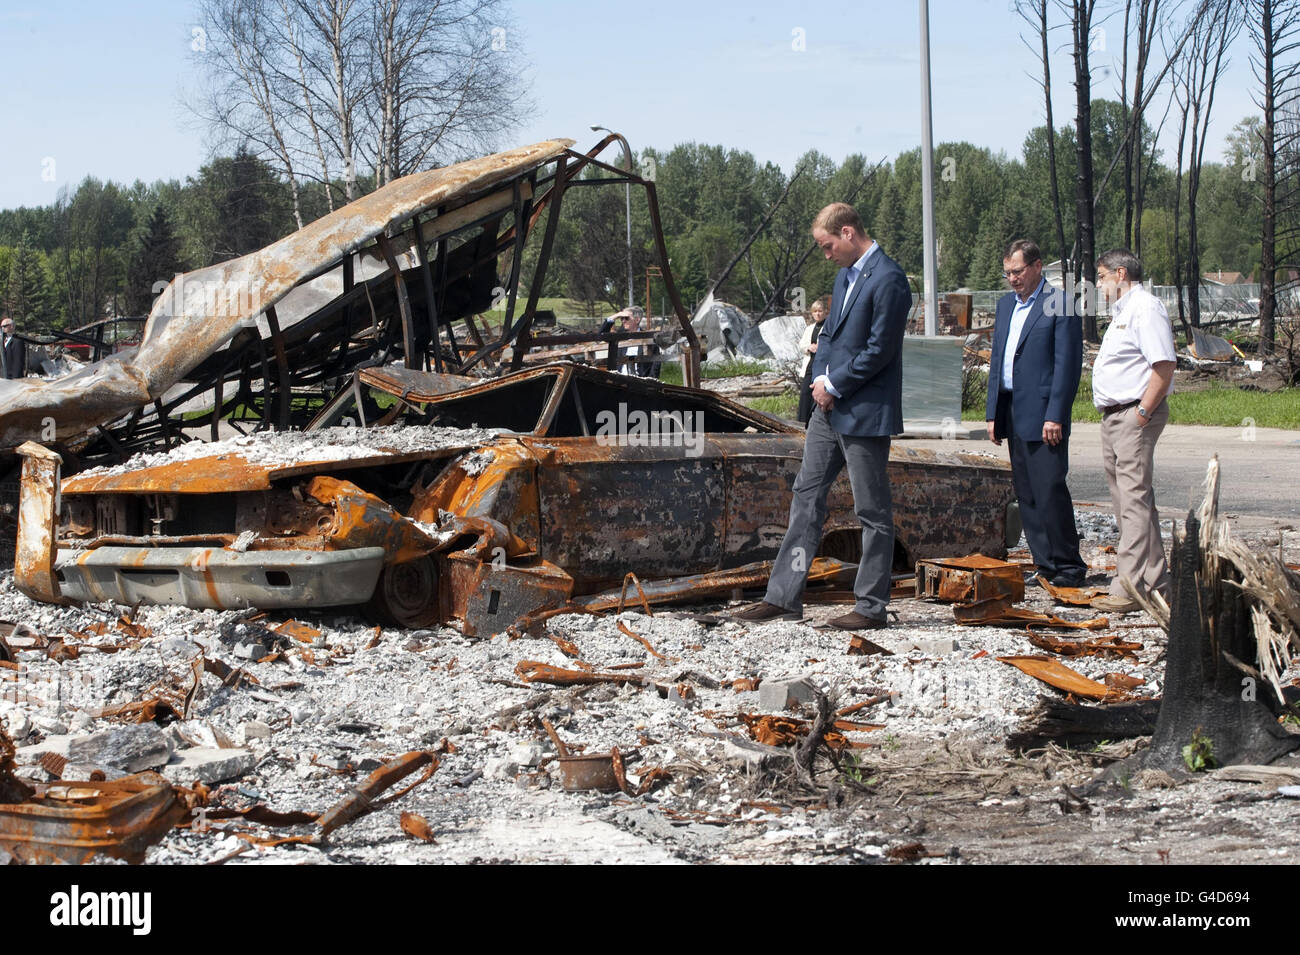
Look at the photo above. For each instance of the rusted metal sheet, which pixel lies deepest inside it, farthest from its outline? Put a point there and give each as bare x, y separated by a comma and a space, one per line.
998, 612
230, 473
1097, 646
413, 385
974, 490
38, 515
72, 821
608, 511
498, 483
185, 328
363, 520
1074, 596
972, 578
590, 771
365, 798
1057, 674
489, 596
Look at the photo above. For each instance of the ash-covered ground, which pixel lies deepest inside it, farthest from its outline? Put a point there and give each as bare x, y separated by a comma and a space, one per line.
935, 783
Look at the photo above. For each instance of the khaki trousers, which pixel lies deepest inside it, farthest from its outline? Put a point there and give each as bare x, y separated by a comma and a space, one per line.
1127, 450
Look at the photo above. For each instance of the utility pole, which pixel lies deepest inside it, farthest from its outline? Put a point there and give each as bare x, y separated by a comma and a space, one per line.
930, 276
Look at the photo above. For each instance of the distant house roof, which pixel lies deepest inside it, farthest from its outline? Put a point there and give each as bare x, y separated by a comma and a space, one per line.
1220, 277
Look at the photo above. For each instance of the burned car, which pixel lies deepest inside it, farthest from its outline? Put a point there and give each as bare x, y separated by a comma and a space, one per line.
435, 498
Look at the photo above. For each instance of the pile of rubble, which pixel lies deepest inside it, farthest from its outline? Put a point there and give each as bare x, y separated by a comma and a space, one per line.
692, 722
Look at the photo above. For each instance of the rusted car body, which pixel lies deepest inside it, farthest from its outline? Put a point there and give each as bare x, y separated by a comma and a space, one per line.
585, 477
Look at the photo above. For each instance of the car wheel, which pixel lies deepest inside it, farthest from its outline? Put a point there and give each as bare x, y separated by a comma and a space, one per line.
407, 594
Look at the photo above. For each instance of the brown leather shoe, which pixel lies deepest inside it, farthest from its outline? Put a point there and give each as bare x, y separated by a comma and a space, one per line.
856, 621
757, 613
1112, 604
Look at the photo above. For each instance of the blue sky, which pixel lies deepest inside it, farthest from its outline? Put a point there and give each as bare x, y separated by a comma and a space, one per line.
96, 89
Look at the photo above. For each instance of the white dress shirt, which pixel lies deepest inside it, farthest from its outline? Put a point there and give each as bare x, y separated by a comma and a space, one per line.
1139, 335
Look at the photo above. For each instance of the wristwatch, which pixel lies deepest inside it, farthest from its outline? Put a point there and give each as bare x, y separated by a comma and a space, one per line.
1144, 413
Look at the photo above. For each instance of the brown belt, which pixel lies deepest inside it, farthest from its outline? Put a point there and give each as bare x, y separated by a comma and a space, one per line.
1115, 409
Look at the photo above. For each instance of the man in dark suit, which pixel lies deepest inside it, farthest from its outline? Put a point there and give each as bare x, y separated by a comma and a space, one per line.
1033, 374
13, 351
857, 376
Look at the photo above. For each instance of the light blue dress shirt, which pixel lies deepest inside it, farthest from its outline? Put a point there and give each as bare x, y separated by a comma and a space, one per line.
1018, 316
851, 279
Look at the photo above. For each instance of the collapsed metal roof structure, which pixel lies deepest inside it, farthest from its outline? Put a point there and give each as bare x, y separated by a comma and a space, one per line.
387, 276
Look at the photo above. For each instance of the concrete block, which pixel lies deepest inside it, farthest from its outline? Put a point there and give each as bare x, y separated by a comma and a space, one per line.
15, 722
129, 748
526, 754
81, 772
31, 755
752, 757
208, 765
936, 646
780, 694
500, 767
255, 729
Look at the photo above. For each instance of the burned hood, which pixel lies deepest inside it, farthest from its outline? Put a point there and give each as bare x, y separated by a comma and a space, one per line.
254, 462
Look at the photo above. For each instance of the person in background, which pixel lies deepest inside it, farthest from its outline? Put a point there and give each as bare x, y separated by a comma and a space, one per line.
13, 351
631, 323
808, 347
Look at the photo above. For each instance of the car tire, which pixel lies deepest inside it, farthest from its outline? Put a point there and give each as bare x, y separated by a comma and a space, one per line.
406, 595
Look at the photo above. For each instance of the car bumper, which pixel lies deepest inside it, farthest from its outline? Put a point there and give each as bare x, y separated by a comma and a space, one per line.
218, 579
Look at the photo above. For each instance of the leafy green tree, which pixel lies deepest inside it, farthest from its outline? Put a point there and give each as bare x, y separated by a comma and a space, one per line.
26, 298
155, 257
235, 205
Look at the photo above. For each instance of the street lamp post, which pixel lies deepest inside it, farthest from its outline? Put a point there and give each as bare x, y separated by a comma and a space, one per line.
929, 271
627, 155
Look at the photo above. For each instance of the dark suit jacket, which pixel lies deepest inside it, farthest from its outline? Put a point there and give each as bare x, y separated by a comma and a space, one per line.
1048, 359
861, 350
15, 357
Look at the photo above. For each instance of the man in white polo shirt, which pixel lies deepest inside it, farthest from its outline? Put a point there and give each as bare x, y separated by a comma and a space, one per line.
1131, 378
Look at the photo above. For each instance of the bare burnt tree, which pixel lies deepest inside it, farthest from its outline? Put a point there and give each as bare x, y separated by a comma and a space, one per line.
245, 96
1034, 13
354, 93
1136, 148
1148, 22
1275, 30
1195, 81
1287, 208
442, 82
1081, 16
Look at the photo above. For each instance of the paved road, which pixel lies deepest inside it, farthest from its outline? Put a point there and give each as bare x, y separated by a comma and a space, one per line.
1260, 469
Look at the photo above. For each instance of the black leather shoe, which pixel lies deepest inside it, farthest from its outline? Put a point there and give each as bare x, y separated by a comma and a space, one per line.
757, 613
856, 621
1068, 581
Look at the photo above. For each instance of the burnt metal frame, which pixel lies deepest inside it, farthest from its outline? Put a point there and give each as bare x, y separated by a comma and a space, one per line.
276, 359
520, 335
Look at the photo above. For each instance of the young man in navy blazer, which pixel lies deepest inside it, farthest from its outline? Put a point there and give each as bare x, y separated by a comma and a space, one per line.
1033, 374
857, 388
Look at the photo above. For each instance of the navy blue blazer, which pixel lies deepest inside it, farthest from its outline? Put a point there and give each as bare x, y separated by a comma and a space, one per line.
1048, 360
861, 349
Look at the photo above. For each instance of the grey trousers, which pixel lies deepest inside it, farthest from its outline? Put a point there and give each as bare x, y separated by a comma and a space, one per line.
1127, 450
824, 454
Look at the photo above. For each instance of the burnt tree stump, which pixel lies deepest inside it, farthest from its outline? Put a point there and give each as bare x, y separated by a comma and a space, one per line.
1206, 693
